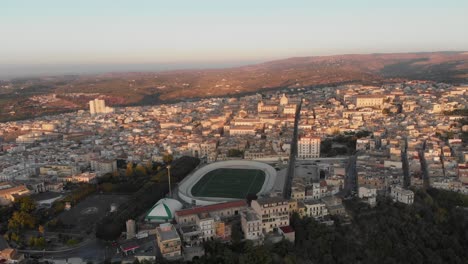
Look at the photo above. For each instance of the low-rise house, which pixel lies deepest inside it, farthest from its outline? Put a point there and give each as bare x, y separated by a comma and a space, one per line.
334, 205
222, 210
401, 195
169, 242
251, 225
315, 209
10, 192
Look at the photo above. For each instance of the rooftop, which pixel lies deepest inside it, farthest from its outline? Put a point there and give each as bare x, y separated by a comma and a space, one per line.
271, 200
209, 208
167, 232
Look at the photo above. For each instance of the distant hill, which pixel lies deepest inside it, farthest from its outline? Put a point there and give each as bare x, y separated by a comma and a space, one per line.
154, 87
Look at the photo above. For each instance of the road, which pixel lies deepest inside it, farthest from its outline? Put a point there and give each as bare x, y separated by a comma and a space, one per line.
93, 250
404, 160
351, 182
425, 173
292, 155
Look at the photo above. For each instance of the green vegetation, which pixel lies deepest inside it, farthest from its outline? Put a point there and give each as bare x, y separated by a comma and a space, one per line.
22, 218
235, 153
168, 158
456, 112
37, 242
82, 191
111, 226
72, 242
346, 143
433, 230
229, 183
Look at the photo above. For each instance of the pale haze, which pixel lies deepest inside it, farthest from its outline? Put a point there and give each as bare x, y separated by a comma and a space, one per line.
107, 35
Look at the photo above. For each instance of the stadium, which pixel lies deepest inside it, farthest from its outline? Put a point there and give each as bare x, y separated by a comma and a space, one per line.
227, 181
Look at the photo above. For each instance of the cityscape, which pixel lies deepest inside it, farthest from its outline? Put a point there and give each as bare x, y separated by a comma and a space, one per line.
224, 155
292, 151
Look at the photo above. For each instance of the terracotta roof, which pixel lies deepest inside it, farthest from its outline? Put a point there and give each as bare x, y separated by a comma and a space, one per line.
287, 229
209, 208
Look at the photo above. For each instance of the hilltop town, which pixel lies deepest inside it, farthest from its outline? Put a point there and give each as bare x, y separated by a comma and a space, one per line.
315, 149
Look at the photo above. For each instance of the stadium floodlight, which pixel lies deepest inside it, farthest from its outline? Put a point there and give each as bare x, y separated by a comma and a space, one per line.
169, 178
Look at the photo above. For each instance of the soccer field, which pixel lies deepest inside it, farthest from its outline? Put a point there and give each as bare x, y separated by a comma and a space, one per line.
229, 183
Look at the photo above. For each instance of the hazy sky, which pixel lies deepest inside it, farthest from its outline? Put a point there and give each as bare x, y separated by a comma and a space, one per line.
192, 31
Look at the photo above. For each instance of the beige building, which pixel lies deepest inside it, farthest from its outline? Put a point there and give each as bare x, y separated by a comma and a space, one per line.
242, 130
308, 147
298, 193
168, 241
87, 177
58, 170
273, 211
10, 192
369, 101
292, 206
284, 100
290, 109
103, 166
221, 210
266, 107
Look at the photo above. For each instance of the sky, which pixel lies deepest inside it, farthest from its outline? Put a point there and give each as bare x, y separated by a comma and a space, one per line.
187, 33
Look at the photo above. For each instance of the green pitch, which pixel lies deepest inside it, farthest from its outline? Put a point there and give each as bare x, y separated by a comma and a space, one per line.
229, 183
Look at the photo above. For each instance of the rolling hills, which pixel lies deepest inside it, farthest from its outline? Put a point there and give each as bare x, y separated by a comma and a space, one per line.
22, 97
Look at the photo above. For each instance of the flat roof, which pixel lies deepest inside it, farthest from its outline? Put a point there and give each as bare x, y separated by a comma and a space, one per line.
129, 245
209, 208
168, 235
270, 200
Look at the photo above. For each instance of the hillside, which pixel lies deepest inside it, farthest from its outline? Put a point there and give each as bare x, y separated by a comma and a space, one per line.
156, 87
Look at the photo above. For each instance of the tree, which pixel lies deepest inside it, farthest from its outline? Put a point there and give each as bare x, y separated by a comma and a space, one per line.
41, 229
235, 153
21, 220
149, 166
168, 158
14, 237
72, 242
32, 241
107, 187
129, 171
140, 170
26, 204
40, 242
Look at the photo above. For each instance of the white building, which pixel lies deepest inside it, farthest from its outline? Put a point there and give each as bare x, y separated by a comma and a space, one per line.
366, 191
401, 195
315, 209
251, 225
308, 147
98, 106
207, 226
131, 228
368, 194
